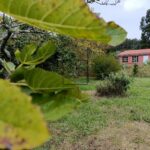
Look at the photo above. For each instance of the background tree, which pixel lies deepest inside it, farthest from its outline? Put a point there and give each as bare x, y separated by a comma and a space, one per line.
65, 57
69, 53
15, 35
145, 27
128, 44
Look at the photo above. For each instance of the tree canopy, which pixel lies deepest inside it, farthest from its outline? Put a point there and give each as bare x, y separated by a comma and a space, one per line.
145, 27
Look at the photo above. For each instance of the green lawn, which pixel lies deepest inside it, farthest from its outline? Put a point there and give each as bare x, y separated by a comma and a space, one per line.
99, 114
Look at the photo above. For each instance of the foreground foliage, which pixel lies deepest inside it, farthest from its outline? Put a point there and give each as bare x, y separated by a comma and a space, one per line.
20, 126
75, 20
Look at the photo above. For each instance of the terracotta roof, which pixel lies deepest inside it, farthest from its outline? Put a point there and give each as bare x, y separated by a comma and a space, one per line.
135, 52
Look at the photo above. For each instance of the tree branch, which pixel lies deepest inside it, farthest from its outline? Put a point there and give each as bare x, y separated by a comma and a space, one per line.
104, 2
4, 43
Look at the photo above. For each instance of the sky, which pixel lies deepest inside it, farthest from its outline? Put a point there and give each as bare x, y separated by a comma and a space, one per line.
127, 14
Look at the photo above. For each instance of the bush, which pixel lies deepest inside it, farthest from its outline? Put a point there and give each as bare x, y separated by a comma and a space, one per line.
135, 70
114, 85
104, 65
144, 71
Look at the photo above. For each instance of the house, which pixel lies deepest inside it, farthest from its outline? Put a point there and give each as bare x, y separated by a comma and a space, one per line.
131, 57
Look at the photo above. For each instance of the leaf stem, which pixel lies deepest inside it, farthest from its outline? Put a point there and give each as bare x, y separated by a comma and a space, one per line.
19, 84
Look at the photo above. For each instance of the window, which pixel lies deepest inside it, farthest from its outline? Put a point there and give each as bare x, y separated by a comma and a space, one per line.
125, 59
135, 59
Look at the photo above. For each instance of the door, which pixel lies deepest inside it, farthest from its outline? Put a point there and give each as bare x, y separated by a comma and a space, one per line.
145, 59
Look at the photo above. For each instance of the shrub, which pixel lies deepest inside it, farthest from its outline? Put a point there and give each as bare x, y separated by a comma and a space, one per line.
104, 65
135, 69
114, 85
142, 71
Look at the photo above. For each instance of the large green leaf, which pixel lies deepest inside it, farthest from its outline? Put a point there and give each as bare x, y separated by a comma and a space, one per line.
42, 81
30, 55
18, 74
21, 123
26, 54
55, 106
71, 17
58, 97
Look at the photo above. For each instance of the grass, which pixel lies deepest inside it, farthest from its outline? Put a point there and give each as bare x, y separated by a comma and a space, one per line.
99, 114
90, 86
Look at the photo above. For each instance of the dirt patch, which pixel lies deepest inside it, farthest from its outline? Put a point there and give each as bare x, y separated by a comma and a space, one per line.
91, 93
130, 136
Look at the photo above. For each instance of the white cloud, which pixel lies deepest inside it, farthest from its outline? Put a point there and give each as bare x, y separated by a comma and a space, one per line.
133, 5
